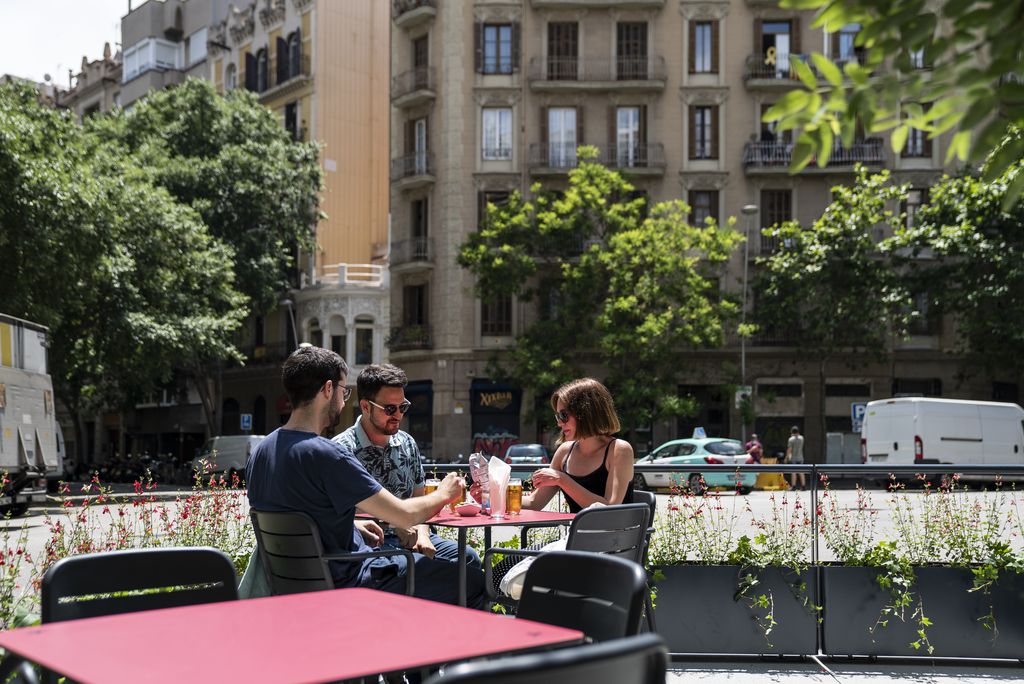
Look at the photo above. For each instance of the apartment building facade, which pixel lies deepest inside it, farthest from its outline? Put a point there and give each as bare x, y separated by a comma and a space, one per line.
490, 96
97, 86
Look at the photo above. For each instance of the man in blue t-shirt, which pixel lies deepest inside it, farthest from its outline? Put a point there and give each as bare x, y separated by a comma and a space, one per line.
294, 468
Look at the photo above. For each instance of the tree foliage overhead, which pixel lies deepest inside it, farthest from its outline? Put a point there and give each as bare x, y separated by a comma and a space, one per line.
966, 253
613, 287
143, 239
972, 83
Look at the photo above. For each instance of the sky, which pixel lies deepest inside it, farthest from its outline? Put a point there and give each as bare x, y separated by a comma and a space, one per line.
40, 37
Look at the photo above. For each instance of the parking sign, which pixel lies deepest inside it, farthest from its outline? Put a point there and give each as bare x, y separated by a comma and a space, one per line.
247, 422
857, 409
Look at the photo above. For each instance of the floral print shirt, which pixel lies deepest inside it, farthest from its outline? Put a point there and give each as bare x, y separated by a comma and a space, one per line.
397, 467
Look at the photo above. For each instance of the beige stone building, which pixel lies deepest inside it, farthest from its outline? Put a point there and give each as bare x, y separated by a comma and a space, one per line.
97, 86
489, 96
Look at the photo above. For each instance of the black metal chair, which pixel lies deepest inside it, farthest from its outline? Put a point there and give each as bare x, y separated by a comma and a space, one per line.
616, 530
640, 659
293, 557
113, 582
651, 500
599, 594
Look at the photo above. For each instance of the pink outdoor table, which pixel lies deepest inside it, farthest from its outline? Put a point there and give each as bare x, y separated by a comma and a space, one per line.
526, 519
321, 636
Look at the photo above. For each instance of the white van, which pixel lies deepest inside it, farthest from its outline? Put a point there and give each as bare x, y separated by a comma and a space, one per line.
226, 454
915, 430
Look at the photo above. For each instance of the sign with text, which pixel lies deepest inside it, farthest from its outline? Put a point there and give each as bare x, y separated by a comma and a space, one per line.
857, 409
246, 422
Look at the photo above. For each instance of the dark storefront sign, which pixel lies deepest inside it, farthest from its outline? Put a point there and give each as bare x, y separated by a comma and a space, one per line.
494, 410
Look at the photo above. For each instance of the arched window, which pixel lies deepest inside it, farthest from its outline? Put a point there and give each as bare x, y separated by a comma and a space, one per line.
339, 338
294, 55
230, 77
261, 70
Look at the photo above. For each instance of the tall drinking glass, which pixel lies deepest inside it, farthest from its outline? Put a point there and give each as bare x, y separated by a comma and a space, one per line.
514, 496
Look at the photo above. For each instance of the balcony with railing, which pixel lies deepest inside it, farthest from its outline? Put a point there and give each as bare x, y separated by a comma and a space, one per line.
771, 71
552, 158
409, 14
413, 170
598, 4
647, 159
634, 74
776, 156
410, 337
288, 79
351, 275
408, 254
414, 87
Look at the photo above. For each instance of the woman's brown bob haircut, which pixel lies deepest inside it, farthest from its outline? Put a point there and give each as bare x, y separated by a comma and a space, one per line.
591, 404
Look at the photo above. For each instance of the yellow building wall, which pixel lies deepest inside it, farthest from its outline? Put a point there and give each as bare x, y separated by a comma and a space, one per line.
218, 75
351, 118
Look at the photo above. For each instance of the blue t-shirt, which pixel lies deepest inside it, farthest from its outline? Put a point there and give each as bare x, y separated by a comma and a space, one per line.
300, 471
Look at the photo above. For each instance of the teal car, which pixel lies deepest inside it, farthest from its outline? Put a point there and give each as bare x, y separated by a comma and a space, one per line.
696, 452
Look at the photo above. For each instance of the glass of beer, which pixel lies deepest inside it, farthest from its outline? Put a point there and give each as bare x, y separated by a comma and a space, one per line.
514, 496
430, 485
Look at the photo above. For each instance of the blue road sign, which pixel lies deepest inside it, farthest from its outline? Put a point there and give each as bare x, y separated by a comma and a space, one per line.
247, 422
857, 409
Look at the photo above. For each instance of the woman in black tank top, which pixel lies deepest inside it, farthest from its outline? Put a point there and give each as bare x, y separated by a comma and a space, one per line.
591, 465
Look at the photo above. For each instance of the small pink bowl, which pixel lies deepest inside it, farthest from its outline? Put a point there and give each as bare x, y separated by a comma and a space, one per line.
467, 509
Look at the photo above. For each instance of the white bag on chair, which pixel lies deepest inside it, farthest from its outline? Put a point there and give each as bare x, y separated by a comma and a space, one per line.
512, 583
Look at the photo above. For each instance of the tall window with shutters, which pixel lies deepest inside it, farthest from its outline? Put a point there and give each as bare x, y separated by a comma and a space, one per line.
703, 47
496, 125
561, 134
631, 50
563, 51
627, 135
497, 48
776, 208
496, 317
703, 205
703, 133
775, 40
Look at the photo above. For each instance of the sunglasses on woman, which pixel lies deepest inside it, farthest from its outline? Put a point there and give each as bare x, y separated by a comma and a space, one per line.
392, 409
562, 416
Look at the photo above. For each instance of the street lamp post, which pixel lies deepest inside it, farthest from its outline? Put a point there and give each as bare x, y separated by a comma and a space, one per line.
749, 211
291, 319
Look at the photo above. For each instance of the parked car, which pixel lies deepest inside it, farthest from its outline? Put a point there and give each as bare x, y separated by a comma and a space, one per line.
696, 452
527, 454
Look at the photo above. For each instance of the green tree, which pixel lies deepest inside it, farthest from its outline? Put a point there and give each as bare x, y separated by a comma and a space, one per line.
966, 254
128, 280
613, 287
972, 83
230, 161
829, 287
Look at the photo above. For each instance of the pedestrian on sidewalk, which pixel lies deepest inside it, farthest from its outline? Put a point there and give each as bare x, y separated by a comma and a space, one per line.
795, 455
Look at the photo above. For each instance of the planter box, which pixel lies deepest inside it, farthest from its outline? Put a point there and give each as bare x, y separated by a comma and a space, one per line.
697, 612
853, 601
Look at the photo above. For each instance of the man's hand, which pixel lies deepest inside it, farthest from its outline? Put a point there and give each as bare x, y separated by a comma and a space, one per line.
452, 487
423, 544
407, 536
371, 532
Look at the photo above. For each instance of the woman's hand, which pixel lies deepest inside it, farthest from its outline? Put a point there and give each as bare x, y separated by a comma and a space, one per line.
547, 477
476, 491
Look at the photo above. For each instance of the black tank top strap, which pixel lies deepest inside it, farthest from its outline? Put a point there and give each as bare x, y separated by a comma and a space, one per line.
604, 461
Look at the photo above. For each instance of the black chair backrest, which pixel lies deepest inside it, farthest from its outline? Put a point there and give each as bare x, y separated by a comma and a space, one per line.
635, 660
291, 551
651, 501
615, 530
111, 582
599, 594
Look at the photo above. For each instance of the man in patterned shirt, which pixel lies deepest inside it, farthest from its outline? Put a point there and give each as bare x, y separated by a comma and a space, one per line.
392, 456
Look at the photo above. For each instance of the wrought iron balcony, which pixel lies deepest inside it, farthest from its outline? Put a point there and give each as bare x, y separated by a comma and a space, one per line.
556, 157
408, 14
409, 337
420, 249
413, 87
631, 73
638, 157
778, 68
410, 166
776, 155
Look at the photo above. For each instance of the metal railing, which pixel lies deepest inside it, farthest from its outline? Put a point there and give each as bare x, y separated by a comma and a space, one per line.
415, 164
420, 78
617, 69
778, 67
372, 275
408, 337
416, 249
780, 154
553, 155
633, 155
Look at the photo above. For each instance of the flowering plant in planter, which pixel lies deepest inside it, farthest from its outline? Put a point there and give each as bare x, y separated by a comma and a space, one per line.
948, 527
765, 553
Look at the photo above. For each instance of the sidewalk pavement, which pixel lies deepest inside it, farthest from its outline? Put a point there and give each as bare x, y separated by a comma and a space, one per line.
846, 672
